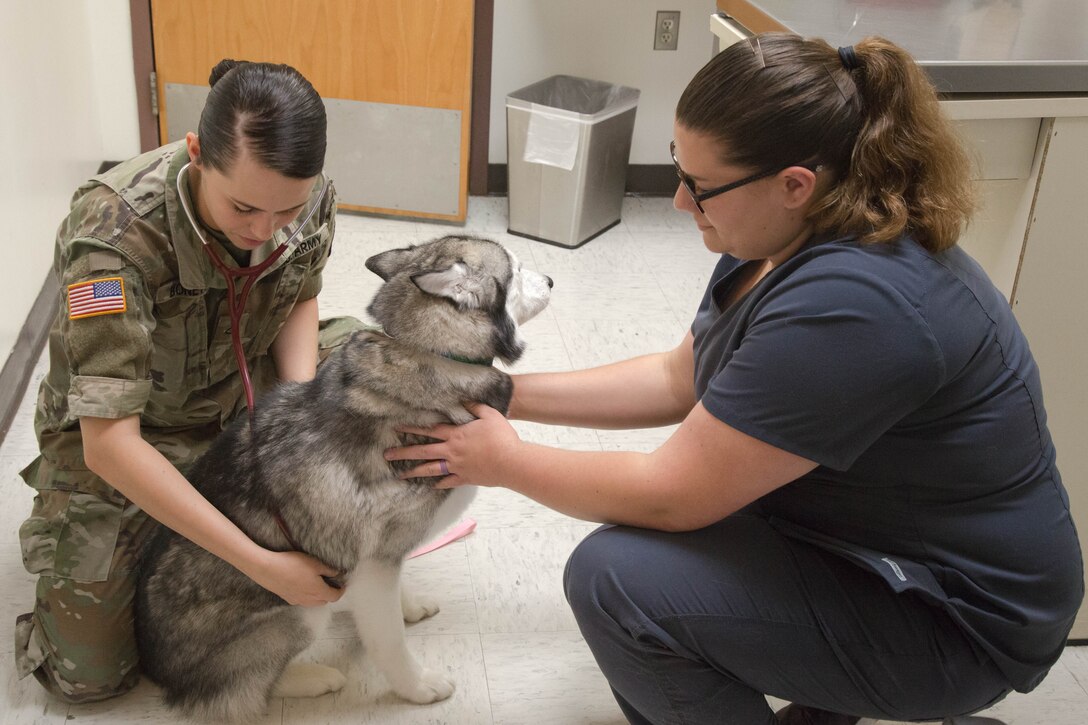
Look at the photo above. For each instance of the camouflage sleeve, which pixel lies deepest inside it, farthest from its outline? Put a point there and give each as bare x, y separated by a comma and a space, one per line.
311, 285
105, 326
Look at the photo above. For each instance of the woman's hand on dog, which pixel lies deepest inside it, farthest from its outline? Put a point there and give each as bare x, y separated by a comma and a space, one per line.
295, 578
468, 454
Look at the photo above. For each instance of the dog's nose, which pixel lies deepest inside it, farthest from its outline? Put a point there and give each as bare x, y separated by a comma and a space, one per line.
550, 283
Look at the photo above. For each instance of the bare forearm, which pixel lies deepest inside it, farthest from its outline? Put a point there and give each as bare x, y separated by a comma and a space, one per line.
606, 487
703, 473
642, 392
295, 348
145, 477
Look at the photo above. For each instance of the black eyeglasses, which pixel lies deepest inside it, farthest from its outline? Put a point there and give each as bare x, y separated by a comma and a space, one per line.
698, 197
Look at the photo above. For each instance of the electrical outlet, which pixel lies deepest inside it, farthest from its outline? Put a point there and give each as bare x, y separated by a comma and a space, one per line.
666, 29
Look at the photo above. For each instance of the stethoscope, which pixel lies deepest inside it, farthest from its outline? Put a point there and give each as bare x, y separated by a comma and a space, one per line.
237, 306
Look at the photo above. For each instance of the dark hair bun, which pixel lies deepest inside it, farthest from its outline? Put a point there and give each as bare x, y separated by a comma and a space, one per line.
222, 68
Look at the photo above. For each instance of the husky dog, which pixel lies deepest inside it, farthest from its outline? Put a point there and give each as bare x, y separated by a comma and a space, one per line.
309, 475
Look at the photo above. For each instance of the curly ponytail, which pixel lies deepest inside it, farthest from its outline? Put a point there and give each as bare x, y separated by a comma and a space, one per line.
908, 169
871, 117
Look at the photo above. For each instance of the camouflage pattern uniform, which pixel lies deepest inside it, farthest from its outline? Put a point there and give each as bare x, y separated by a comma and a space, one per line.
166, 357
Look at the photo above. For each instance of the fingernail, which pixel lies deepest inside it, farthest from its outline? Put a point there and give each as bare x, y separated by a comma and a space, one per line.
388, 453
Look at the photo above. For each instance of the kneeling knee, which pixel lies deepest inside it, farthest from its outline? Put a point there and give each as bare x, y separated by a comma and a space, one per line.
91, 689
601, 570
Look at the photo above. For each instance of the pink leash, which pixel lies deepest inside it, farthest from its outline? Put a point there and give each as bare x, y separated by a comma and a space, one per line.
464, 528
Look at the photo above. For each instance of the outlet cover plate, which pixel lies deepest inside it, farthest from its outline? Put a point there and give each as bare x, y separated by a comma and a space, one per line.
666, 29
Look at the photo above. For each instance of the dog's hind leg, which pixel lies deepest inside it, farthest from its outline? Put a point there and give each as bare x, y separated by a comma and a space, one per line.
229, 678
305, 679
416, 607
376, 604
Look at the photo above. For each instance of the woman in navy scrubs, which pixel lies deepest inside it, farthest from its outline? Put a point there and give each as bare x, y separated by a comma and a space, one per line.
860, 511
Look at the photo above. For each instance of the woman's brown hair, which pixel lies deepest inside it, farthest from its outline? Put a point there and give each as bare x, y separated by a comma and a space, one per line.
779, 100
269, 109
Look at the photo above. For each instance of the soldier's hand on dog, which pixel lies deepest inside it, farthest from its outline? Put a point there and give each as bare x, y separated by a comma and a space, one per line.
471, 453
295, 578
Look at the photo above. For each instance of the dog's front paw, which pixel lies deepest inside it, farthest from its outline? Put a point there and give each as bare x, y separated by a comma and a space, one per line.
416, 608
498, 394
431, 687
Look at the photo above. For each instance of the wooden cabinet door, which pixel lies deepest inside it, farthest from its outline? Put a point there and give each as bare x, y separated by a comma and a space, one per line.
395, 75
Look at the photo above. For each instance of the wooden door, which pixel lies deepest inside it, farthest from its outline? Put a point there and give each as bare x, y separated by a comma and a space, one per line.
396, 76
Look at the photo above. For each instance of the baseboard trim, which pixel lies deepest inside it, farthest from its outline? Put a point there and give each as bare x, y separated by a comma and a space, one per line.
642, 180
19, 367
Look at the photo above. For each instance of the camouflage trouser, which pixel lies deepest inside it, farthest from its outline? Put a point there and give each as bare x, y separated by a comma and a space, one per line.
79, 641
83, 540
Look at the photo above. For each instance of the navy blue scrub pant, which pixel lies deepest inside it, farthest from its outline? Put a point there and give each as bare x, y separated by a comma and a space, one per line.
696, 627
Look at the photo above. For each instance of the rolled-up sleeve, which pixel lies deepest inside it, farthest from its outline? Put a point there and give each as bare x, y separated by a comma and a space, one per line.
107, 397
109, 352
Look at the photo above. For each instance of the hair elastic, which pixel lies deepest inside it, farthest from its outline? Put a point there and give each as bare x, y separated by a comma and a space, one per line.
849, 58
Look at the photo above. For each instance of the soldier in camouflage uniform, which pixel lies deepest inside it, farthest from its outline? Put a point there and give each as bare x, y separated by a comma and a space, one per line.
143, 335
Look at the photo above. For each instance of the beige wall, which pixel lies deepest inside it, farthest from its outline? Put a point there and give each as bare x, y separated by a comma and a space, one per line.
69, 102
607, 40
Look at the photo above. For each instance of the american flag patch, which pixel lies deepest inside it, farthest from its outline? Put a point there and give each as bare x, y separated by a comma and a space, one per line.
97, 297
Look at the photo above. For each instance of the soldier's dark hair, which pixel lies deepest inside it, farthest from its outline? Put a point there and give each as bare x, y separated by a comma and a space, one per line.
874, 123
270, 110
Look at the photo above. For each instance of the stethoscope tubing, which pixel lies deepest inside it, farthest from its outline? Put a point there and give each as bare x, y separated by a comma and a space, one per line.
236, 305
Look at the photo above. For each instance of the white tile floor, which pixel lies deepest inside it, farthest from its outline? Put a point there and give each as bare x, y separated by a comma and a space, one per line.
505, 633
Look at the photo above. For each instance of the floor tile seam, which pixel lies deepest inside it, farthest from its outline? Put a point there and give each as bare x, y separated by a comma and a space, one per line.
407, 635
637, 316
532, 527
476, 597
570, 362
658, 228
472, 585
479, 629
665, 294
536, 262
613, 314
30, 682
524, 632
628, 246
487, 680
1073, 674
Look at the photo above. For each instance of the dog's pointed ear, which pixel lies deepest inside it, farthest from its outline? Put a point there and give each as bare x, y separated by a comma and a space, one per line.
386, 264
454, 283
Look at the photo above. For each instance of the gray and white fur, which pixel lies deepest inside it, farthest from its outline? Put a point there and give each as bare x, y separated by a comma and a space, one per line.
220, 645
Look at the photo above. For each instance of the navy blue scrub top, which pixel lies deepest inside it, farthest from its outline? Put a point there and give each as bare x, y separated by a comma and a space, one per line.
905, 376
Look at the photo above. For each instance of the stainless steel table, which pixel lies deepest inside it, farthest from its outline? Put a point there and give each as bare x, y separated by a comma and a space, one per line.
966, 46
